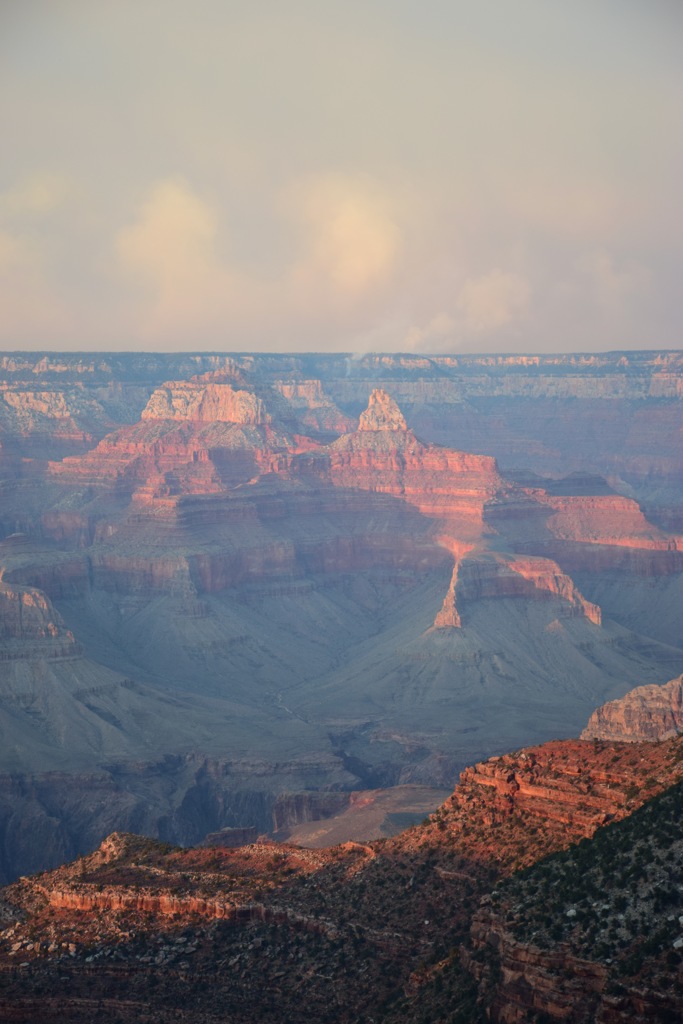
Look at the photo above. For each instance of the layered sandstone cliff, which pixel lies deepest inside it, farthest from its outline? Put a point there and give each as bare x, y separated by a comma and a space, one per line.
516, 808
177, 509
615, 413
206, 403
492, 575
651, 713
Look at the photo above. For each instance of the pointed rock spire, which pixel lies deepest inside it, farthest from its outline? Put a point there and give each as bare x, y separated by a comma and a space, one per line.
382, 413
449, 617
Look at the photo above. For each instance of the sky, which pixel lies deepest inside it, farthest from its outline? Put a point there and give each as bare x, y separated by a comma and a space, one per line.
355, 175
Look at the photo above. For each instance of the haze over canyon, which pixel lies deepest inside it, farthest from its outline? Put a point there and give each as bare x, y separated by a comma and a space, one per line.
237, 587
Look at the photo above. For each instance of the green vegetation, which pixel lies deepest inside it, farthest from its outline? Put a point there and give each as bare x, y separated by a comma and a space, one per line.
616, 897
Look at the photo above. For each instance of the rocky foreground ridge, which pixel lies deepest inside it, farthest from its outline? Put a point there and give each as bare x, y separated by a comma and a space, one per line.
549, 886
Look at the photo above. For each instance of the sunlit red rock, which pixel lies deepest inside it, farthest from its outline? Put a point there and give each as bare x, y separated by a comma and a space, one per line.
651, 713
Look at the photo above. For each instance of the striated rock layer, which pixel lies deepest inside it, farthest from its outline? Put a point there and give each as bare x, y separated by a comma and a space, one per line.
615, 414
205, 403
647, 713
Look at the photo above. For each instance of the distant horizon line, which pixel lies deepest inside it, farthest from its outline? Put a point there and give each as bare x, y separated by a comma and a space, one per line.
347, 353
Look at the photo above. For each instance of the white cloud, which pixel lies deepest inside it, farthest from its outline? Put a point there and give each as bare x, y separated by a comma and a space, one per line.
170, 246
354, 241
169, 256
173, 256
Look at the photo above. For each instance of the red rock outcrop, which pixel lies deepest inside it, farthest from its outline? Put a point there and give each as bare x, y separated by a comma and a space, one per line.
196, 437
449, 616
384, 456
88, 899
382, 413
585, 532
648, 713
200, 438
603, 519
490, 575
162, 458
610, 413
67, 413
593, 934
184, 885
205, 402
513, 809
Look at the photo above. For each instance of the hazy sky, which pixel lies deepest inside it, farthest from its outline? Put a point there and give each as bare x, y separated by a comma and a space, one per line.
465, 175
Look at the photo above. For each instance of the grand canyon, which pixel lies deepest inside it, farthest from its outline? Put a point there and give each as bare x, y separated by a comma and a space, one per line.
252, 606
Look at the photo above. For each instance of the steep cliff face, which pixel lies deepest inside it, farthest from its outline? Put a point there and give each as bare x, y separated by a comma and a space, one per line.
615, 414
164, 464
71, 413
585, 530
64, 417
197, 437
531, 976
384, 456
651, 713
603, 519
203, 438
136, 458
499, 576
